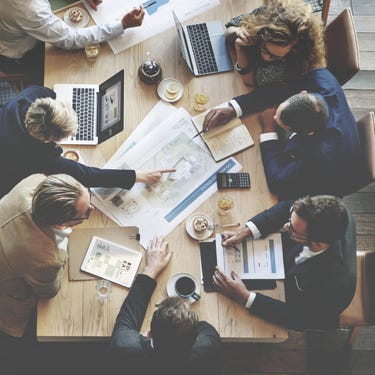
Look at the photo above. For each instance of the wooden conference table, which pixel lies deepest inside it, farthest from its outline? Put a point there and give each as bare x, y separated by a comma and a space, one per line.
75, 314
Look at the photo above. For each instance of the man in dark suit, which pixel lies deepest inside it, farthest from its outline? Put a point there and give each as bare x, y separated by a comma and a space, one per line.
323, 149
177, 339
319, 252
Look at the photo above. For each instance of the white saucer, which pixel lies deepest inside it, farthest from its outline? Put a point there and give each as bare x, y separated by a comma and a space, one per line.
162, 89
84, 21
171, 292
193, 233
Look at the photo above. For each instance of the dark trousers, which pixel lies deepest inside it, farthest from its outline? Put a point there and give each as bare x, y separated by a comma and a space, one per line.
31, 64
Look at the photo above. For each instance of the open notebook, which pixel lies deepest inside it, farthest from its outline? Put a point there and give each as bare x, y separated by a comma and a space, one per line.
224, 140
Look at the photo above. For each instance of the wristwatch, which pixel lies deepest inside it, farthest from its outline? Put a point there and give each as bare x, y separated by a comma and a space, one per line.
241, 70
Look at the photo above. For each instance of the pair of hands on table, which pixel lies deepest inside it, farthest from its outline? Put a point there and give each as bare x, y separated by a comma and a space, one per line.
232, 286
132, 19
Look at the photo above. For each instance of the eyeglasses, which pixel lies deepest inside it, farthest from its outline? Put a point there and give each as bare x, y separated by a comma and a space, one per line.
87, 213
293, 233
264, 50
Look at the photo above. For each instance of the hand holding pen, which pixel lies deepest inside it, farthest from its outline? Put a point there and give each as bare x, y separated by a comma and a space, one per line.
231, 245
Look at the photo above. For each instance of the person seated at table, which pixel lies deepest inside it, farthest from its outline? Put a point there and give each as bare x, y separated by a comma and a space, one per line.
30, 125
319, 251
323, 150
25, 26
176, 339
34, 220
277, 42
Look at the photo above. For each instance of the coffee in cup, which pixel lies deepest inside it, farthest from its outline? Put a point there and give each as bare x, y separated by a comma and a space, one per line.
185, 287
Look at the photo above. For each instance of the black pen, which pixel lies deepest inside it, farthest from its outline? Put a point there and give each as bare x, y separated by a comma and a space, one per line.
199, 133
232, 245
148, 5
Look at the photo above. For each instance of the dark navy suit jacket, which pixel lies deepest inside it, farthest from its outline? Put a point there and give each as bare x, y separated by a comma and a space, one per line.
22, 155
316, 290
132, 351
324, 163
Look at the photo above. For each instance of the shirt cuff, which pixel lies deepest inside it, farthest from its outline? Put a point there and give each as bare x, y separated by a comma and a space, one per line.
236, 107
117, 27
250, 300
272, 136
254, 230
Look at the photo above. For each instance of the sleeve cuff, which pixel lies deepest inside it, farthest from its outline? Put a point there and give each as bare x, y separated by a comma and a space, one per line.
273, 136
236, 107
254, 230
117, 27
250, 300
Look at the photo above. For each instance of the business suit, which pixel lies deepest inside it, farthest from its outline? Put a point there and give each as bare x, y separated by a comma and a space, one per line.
21, 155
31, 264
133, 350
316, 290
312, 164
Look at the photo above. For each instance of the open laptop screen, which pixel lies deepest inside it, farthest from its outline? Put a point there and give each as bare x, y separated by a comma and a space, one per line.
111, 107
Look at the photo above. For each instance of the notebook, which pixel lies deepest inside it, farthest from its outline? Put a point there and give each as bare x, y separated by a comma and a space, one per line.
203, 47
100, 109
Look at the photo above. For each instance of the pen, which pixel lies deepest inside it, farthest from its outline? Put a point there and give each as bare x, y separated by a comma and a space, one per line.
199, 133
232, 245
148, 5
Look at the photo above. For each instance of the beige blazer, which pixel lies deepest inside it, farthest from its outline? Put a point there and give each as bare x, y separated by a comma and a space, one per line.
31, 265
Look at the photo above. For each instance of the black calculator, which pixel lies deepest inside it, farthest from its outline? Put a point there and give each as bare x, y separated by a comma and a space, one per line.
233, 180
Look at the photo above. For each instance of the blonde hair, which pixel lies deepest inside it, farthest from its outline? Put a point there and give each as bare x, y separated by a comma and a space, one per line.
285, 22
49, 120
54, 201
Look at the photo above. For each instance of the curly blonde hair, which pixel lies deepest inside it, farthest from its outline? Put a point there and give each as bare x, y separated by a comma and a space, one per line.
283, 22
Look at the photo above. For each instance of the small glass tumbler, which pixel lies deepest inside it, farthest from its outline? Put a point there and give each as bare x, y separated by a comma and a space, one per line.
92, 51
103, 290
225, 204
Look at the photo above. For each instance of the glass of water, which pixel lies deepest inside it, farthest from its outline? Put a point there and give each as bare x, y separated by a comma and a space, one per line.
103, 290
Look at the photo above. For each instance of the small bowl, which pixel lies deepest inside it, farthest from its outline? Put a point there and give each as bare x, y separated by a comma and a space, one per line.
162, 89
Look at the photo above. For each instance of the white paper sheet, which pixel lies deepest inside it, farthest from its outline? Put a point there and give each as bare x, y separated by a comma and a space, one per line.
256, 259
159, 209
158, 17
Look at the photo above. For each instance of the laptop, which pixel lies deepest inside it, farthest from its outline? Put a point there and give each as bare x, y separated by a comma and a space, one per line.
203, 47
99, 108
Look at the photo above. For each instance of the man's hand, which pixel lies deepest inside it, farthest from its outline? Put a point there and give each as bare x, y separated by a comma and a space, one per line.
266, 120
157, 257
94, 3
230, 238
151, 177
133, 18
218, 116
232, 287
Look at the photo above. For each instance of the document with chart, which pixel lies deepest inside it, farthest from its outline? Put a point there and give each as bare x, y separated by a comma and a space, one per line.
158, 17
253, 259
170, 145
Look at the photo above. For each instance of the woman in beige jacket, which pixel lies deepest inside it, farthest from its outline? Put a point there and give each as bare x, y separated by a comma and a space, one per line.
32, 217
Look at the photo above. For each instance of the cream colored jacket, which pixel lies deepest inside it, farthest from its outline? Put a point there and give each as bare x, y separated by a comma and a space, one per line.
31, 265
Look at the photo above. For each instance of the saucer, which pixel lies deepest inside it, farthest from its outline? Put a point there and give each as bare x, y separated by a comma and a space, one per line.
193, 233
84, 21
171, 292
162, 89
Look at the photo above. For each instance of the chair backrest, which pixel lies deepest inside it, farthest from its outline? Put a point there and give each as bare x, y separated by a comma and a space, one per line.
342, 47
366, 131
361, 310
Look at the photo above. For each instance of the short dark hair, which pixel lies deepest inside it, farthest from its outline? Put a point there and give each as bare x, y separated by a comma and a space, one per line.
174, 327
326, 217
305, 112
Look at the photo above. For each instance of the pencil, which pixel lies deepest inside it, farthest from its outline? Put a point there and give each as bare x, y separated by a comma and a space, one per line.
148, 5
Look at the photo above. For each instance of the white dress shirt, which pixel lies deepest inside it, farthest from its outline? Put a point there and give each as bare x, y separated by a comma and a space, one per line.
24, 23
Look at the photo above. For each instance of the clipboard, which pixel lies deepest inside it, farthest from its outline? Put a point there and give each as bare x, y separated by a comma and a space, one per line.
209, 262
79, 241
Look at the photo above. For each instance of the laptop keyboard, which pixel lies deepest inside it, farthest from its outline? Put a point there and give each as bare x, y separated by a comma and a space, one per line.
84, 104
202, 48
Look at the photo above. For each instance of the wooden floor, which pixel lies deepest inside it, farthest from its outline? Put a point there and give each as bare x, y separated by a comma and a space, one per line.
320, 353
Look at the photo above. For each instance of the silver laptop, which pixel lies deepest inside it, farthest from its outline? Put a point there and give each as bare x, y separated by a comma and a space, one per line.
99, 108
203, 47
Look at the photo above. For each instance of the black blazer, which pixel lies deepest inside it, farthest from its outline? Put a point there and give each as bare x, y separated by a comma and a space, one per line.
131, 350
318, 289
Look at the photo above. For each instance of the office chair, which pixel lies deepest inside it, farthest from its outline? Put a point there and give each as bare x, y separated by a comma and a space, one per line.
342, 47
321, 6
15, 79
361, 311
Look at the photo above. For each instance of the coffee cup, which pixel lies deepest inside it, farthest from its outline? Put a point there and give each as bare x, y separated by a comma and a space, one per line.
185, 287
